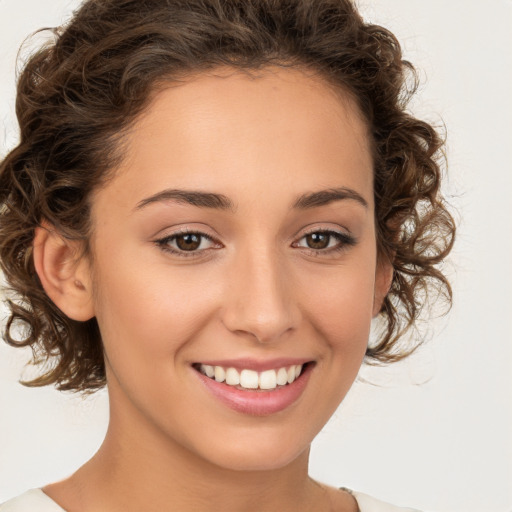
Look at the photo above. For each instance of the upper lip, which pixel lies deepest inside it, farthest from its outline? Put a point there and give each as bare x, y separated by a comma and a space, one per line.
255, 364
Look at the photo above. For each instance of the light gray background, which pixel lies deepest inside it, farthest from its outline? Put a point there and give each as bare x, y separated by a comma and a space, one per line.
436, 430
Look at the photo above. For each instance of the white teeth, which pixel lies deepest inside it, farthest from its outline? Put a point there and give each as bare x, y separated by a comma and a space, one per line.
268, 379
291, 374
282, 377
232, 377
250, 379
208, 370
220, 374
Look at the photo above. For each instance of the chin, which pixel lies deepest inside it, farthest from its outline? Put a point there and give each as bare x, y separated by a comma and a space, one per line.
255, 460
260, 454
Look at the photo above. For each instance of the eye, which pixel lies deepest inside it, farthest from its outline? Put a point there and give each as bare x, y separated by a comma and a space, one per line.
325, 241
187, 243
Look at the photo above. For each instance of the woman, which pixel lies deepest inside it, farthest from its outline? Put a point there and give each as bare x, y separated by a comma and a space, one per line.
209, 204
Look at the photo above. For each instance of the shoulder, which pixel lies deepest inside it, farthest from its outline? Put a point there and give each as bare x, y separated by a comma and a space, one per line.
369, 504
31, 501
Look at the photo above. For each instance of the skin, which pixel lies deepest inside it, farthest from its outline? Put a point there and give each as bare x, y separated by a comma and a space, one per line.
256, 291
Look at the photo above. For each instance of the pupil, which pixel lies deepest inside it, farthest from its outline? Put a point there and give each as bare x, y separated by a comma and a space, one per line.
318, 240
188, 242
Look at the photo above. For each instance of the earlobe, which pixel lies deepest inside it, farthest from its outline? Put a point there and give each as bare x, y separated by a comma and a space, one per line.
383, 280
65, 275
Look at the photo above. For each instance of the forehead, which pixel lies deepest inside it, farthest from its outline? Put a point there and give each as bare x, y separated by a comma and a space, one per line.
274, 129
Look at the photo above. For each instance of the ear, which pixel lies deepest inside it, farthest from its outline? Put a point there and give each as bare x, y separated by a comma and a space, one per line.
383, 280
65, 275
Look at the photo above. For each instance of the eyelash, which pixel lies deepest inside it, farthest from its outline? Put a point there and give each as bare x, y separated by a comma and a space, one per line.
344, 241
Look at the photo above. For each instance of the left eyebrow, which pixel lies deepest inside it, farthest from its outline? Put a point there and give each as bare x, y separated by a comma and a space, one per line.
324, 197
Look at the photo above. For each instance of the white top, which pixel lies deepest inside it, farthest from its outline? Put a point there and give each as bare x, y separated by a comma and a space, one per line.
36, 500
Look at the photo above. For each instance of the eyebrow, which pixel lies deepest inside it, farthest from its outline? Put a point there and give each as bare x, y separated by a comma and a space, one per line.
222, 202
324, 197
192, 197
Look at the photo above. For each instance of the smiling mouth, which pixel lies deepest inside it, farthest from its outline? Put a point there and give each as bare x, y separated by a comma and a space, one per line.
251, 380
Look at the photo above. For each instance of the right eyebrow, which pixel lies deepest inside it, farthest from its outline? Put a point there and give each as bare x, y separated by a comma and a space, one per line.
192, 197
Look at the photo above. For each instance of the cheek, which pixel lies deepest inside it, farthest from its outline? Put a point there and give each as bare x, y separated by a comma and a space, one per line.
151, 313
340, 305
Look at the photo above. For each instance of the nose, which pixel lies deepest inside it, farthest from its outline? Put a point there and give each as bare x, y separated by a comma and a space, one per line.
260, 298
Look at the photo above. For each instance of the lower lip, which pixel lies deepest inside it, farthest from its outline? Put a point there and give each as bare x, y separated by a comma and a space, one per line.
258, 402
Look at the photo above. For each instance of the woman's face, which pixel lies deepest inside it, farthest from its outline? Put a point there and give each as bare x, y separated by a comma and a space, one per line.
237, 238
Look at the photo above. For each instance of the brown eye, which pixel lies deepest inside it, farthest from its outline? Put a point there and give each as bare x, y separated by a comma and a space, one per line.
188, 241
318, 240
187, 244
325, 241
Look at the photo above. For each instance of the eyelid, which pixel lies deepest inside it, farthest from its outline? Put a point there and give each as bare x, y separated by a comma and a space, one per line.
342, 232
324, 229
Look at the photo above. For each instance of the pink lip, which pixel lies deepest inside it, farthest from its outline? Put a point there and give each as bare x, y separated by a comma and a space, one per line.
253, 364
257, 402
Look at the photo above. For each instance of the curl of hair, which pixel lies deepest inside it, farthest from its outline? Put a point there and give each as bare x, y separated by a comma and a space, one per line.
77, 96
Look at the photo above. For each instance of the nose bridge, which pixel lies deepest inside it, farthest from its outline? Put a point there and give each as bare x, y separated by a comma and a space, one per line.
260, 295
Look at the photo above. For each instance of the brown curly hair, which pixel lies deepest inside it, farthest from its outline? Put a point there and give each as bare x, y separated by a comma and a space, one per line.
78, 95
